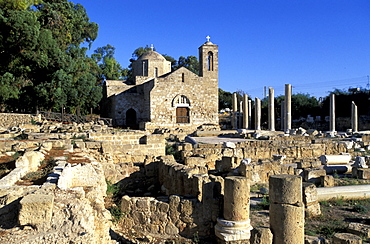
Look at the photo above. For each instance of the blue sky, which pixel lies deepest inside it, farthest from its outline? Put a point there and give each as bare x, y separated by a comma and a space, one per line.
315, 45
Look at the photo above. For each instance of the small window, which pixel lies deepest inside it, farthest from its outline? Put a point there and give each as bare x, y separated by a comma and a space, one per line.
156, 72
183, 77
210, 61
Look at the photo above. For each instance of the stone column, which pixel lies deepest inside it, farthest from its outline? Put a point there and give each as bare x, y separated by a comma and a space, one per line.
332, 113
245, 112
271, 109
257, 114
236, 223
250, 113
354, 117
240, 117
286, 209
282, 116
288, 107
235, 109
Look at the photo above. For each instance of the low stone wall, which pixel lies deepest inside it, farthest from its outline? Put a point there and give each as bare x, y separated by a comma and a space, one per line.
260, 172
265, 149
167, 217
182, 179
10, 119
133, 143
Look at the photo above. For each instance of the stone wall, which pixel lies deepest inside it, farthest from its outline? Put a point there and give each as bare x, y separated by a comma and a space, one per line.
10, 119
167, 217
132, 143
265, 149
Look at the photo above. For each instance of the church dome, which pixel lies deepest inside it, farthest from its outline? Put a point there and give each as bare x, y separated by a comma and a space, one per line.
151, 55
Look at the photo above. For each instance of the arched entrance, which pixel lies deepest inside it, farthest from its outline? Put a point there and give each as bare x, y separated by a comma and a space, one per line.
131, 120
182, 105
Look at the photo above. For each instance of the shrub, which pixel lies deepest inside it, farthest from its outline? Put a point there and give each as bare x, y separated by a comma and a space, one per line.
360, 209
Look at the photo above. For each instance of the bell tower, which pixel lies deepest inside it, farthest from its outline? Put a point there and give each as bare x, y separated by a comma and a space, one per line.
208, 60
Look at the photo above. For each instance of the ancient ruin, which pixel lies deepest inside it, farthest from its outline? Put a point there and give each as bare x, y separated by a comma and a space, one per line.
180, 179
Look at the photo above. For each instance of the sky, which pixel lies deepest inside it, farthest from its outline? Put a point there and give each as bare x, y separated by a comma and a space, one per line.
314, 45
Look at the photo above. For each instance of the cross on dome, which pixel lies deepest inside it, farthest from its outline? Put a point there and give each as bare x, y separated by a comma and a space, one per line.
152, 47
208, 38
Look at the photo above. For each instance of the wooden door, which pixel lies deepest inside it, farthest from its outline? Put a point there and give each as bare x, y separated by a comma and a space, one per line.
182, 115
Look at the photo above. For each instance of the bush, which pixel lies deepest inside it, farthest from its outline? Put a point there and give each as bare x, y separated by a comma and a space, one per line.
360, 209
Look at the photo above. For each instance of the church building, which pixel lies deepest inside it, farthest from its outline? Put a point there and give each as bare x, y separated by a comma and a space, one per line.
158, 98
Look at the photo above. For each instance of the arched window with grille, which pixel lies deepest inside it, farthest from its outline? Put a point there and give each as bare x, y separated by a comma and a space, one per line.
182, 105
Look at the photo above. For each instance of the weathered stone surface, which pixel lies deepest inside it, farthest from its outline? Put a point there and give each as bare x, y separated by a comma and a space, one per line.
346, 238
261, 235
363, 173
314, 240
313, 175
327, 181
285, 189
287, 223
359, 229
236, 199
335, 159
36, 209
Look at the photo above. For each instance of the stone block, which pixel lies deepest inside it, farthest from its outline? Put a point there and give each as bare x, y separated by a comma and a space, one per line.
261, 235
359, 229
309, 193
314, 240
226, 164
327, 181
195, 161
363, 173
313, 175
36, 209
346, 238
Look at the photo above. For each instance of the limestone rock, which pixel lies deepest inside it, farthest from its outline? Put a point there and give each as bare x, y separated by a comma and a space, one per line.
344, 238
36, 209
261, 235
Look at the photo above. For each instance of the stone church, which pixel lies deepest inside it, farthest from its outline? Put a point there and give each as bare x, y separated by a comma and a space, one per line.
158, 98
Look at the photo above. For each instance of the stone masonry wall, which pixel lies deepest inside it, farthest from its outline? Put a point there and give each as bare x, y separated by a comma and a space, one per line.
167, 217
133, 143
10, 119
260, 149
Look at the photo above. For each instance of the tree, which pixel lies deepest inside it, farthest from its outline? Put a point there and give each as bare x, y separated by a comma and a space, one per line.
110, 68
17, 4
302, 105
225, 99
40, 50
190, 62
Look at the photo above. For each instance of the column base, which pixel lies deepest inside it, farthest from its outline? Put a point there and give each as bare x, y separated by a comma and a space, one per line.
228, 230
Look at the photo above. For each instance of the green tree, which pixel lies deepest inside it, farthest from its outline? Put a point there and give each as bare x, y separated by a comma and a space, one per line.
190, 62
302, 105
18, 4
225, 99
110, 68
40, 50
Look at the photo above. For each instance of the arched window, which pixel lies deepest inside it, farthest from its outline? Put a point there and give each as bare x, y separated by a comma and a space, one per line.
180, 101
210, 61
145, 68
